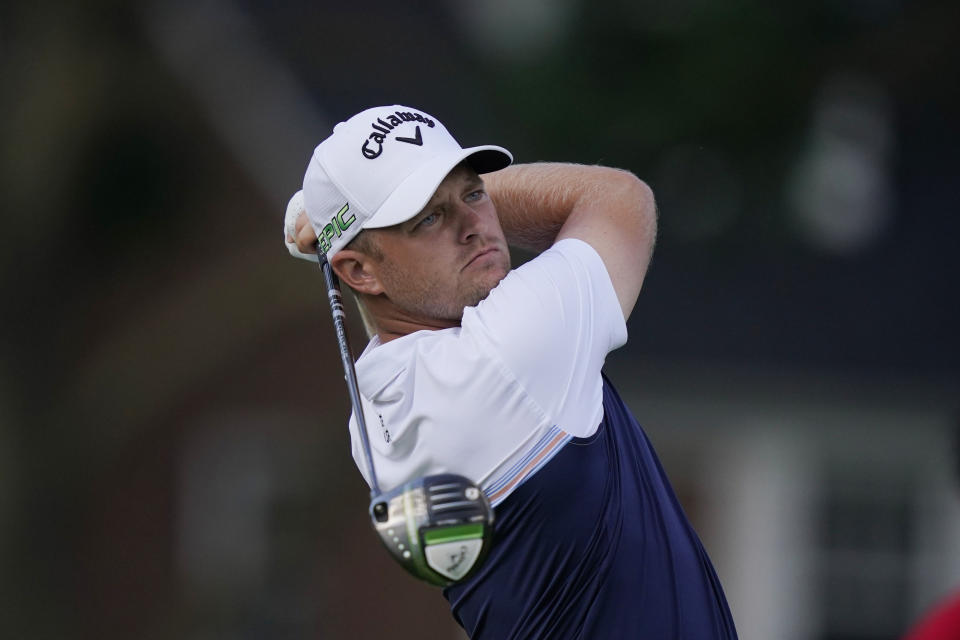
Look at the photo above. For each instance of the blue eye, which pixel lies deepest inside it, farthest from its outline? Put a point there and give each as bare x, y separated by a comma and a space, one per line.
428, 220
475, 195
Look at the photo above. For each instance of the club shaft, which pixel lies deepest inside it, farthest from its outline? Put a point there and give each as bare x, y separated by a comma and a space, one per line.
346, 355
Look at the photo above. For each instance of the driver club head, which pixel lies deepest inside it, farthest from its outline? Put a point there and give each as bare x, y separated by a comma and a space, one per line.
439, 527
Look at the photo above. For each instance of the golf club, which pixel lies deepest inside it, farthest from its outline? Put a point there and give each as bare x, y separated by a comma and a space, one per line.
438, 527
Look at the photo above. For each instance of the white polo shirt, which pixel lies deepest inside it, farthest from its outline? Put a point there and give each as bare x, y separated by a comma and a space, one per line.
496, 398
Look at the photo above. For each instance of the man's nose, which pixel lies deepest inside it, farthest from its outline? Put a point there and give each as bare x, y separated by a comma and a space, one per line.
470, 221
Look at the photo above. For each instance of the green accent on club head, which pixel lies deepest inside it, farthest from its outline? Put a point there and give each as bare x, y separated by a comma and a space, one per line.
452, 534
420, 567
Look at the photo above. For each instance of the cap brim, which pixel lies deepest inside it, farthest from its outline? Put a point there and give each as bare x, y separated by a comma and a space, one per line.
412, 195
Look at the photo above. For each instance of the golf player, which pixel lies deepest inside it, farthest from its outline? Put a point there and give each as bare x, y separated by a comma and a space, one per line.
495, 373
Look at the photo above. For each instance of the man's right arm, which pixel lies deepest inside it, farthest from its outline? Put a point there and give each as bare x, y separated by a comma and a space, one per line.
610, 209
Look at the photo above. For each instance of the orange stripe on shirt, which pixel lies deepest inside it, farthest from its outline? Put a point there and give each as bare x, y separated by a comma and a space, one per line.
530, 465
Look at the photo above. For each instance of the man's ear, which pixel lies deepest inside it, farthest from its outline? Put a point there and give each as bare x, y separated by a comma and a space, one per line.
356, 270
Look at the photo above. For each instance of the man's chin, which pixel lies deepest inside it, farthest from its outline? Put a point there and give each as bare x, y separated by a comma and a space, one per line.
483, 290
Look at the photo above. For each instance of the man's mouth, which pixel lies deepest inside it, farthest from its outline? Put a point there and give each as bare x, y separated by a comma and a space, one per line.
480, 255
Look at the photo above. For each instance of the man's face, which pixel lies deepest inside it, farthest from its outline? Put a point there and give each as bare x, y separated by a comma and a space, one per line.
447, 257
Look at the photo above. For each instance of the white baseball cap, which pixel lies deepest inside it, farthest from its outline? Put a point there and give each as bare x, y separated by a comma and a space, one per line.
380, 168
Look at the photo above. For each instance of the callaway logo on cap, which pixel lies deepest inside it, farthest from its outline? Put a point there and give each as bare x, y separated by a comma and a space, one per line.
380, 168
382, 129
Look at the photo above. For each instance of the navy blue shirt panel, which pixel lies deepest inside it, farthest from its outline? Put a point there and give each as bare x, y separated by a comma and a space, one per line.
594, 546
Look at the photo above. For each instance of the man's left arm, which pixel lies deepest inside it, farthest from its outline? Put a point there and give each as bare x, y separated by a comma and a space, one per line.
610, 209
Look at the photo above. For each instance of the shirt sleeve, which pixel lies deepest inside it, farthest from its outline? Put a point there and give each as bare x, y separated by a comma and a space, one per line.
552, 323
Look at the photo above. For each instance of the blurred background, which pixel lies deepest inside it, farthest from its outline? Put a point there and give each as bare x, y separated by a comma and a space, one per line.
174, 461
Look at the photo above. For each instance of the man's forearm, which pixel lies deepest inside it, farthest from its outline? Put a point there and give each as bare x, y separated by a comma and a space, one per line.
535, 200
